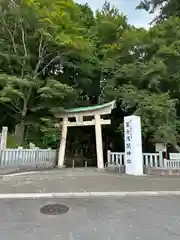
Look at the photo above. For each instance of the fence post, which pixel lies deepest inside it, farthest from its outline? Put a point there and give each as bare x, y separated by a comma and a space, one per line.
85, 164
1, 157
36, 156
108, 156
161, 160
73, 164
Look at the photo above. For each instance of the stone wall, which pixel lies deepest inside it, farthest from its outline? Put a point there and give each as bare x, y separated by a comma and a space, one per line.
12, 169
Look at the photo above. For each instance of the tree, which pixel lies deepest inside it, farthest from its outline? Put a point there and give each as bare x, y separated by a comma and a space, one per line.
58, 54
110, 25
33, 43
166, 8
145, 80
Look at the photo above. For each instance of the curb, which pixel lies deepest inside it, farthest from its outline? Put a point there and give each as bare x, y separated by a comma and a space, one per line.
19, 174
87, 194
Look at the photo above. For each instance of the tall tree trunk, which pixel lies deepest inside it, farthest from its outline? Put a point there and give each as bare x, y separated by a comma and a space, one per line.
19, 133
20, 127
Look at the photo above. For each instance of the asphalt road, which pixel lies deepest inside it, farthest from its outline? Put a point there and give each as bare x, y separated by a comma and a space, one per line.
126, 218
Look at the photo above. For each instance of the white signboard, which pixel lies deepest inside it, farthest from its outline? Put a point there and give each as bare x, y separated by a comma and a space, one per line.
133, 145
161, 147
174, 156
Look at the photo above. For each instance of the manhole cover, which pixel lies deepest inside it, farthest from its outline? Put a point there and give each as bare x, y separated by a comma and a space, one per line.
54, 209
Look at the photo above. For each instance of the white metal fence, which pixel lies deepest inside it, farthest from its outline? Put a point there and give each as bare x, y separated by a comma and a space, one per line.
116, 157
154, 160
172, 164
174, 161
27, 158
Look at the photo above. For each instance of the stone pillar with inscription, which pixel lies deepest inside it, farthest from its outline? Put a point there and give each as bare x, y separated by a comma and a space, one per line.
133, 145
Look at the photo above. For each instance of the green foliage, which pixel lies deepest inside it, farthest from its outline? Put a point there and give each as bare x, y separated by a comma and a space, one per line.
145, 80
58, 54
165, 8
35, 38
49, 134
157, 111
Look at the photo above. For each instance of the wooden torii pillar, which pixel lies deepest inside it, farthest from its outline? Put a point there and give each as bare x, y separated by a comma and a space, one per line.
96, 113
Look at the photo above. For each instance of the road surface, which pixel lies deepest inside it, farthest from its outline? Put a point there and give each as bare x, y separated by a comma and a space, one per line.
68, 180
127, 218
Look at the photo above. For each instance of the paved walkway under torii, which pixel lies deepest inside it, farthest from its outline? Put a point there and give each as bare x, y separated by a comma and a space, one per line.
85, 116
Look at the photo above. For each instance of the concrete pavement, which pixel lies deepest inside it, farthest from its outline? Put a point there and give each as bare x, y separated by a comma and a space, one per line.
135, 218
87, 180
108, 218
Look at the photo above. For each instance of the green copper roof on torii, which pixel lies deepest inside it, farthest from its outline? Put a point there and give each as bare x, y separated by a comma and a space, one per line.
111, 104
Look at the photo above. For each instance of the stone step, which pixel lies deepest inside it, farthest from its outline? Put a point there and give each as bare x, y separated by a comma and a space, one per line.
163, 171
115, 169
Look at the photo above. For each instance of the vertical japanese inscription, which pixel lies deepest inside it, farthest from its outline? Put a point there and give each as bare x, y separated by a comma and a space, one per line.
128, 141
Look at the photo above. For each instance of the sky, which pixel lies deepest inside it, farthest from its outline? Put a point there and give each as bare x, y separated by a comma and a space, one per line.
139, 18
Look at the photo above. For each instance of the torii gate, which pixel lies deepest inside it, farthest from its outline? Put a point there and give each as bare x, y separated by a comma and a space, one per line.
96, 113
